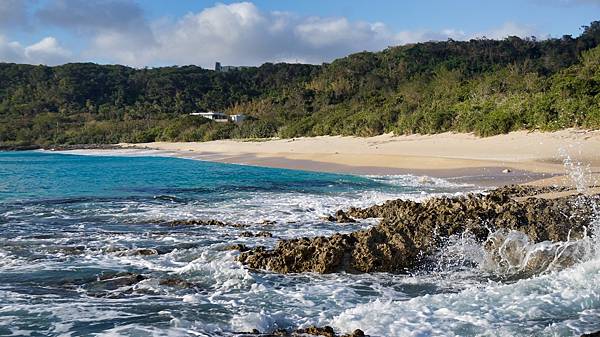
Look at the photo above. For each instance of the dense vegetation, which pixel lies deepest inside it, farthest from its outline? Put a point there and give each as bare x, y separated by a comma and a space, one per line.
482, 86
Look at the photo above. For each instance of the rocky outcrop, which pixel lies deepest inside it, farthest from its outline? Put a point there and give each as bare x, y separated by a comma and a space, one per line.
411, 231
263, 234
202, 222
326, 331
340, 217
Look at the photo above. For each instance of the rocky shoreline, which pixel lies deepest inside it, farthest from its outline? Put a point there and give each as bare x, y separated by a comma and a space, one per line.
63, 147
410, 232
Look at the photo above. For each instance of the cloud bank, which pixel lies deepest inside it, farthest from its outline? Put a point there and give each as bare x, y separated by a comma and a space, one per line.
116, 31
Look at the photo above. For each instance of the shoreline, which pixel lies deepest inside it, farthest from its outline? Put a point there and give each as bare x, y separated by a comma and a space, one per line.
515, 158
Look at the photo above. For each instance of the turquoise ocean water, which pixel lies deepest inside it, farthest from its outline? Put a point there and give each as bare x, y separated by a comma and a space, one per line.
85, 249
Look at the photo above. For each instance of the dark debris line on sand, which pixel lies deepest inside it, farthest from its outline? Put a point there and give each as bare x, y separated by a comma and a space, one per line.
410, 231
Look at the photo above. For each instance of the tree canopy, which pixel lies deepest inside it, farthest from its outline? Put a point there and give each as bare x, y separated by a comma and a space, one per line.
482, 86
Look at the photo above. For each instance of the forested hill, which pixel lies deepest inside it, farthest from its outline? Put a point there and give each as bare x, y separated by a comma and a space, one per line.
484, 86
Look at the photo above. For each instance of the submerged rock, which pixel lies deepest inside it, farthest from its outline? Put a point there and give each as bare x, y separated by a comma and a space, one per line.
177, 283
411, 231
113, 284
137, 252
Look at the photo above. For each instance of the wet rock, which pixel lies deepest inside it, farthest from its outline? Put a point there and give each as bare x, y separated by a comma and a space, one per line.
238, 246
263, 234
321, 254
201, 222
177, 283
137, 252
325, 331
268, 222
106, 285
66, 147
67, 250
411, 231
340, 217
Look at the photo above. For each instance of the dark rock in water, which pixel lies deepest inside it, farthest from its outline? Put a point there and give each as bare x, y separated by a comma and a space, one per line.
321, 254
340, 217
593, 334
326, 331
66, 147
268, 222
263, 234
108, 283
316, 331
137, 251
238, 246
200, 222
177, 283
411, 231
67, 250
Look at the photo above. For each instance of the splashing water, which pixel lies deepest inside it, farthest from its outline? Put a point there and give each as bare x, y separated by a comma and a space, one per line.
71, 229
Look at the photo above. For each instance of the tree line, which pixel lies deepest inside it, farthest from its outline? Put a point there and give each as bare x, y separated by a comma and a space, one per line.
482, 86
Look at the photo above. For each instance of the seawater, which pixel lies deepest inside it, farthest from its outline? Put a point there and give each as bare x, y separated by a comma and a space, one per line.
66, 220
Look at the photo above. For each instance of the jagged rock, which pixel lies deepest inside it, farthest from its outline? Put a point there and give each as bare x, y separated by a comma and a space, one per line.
200, 222
411, 231
263, 234
325, 331
238, 246
340, 216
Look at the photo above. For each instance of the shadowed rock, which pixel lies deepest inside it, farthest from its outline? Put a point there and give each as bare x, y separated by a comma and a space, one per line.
263, 234
237, 246
411, 231
340, 217
326, 331
177, 283
200, 222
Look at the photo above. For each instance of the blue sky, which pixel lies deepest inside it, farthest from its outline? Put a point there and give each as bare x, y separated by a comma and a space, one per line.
166, 32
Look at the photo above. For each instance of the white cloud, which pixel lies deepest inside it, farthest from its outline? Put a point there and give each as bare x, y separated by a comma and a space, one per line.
241, 34
45, 51
113, 28
508, 29
117, 31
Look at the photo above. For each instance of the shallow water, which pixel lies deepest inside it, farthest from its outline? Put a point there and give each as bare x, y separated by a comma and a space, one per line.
68, 222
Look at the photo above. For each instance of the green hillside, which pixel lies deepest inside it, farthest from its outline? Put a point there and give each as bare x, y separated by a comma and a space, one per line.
484, 86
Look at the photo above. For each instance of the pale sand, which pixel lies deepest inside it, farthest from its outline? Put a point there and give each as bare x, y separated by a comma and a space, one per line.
529, 155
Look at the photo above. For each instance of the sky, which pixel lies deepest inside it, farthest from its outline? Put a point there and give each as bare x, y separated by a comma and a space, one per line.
150, 33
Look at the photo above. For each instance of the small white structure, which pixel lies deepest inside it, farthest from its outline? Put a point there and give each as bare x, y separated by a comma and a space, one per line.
237, 118
212, 115
220, 117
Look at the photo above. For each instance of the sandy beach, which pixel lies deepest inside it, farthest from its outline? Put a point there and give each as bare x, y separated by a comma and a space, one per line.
530, 156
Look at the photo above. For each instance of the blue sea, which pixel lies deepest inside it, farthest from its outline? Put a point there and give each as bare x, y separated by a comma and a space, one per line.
86, 249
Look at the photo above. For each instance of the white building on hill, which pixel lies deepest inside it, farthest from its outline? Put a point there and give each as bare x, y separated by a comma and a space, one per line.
220, 117
213, 115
